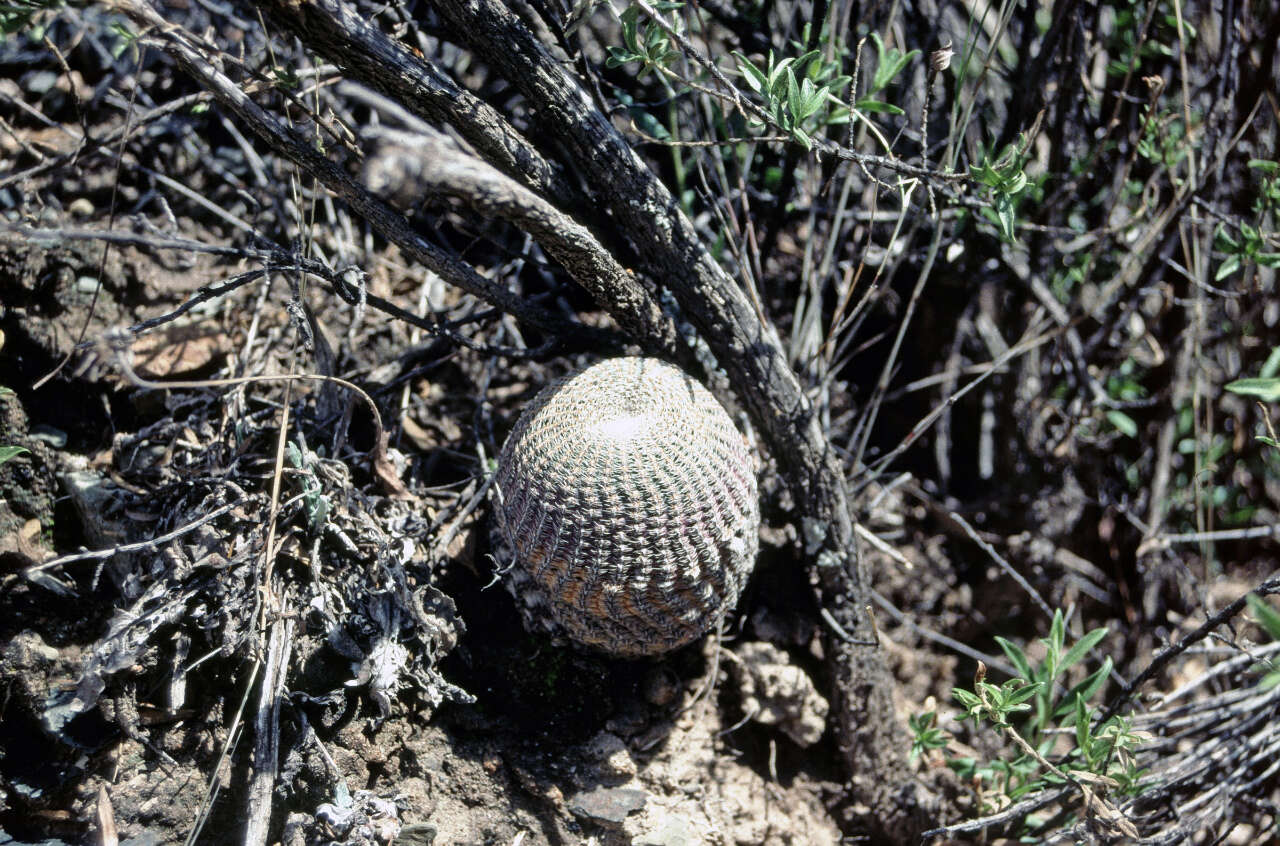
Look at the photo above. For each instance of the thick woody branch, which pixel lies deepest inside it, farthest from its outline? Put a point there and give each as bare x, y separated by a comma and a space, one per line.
203, 65
428, 163
369, 55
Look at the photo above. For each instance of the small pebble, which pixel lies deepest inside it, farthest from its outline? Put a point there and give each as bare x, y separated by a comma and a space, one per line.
673, 830
80, 207
608, 805
611, 753
54, 437
40, 82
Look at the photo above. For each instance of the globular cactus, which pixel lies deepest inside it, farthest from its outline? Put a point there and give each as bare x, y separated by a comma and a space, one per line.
626, 509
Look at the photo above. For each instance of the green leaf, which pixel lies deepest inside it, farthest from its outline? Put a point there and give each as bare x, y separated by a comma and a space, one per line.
1022, 694
1267, 390
8, 452
777, 75
1270, 367
629, 28
1267, 617
1004, 211
970, 701
1057, 631
1083, 645
618, 57
805, 63
1268, 167
985, 174
650, 125
1228, 267
1082, 725
752, 75
1016, 657
1091, 684
890, 62
811, 99
866, 104
1225, 241
1122, 422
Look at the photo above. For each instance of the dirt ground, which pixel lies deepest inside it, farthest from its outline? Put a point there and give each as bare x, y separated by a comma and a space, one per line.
206, 563
541, 743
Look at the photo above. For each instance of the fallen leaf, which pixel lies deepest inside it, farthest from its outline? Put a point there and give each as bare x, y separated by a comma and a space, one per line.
176, 350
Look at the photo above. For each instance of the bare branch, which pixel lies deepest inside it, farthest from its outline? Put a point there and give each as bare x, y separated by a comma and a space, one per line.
369, 55
196, 60
429, 163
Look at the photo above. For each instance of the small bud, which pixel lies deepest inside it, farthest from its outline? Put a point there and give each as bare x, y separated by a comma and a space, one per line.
979, 674
940, 59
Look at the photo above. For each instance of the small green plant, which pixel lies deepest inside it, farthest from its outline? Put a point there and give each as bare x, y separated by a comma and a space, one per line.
1164, 139
1006, 183
1268, 199
647, 44
1127, 42
889, 63
1266, 388
19, 15
1248, 247
1124, 385
1053, 730
127, 41
1246, 243
1267, 617
313, 499
804, 93
793, 90
925, 734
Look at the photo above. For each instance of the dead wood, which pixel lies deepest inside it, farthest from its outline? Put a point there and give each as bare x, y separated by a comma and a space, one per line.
197, 60
430, 164
365, 53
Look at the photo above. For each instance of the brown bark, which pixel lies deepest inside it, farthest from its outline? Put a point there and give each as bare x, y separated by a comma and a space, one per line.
365, 53
432, 165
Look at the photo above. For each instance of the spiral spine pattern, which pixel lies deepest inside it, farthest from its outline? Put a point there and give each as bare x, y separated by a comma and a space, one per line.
626, 507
